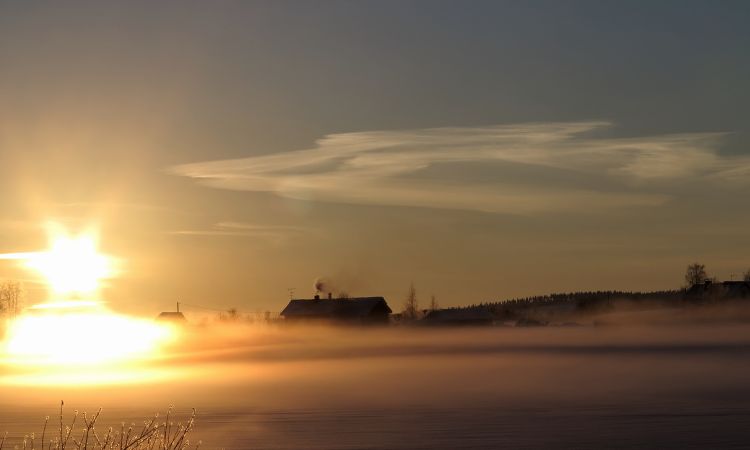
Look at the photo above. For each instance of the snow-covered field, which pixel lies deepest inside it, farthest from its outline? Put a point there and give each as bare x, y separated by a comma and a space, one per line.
314, 388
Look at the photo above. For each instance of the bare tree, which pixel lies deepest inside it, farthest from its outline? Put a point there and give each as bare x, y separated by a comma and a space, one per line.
11, 295
411, 305
695, 274
231, 315
433, 304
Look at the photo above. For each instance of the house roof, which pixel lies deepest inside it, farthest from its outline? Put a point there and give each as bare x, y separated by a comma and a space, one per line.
724, 289
336, 308
171, 315
737, 288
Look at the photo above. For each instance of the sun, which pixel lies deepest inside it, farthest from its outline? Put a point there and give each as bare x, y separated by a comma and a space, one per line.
72, 265
73, 334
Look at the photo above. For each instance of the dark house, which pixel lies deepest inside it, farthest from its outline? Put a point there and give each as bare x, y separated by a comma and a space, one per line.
172, 316
719, 290
358, 310
458, 317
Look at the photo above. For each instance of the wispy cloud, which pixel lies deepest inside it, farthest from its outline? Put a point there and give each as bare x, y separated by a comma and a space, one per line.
378, 167
274, 233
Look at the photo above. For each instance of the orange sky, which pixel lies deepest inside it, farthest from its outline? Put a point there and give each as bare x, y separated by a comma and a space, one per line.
229, 153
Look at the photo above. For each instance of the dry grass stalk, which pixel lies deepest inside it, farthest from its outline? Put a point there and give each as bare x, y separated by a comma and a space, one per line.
153, 435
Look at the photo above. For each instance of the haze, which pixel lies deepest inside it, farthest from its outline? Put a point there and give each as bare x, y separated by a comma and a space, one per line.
326, 388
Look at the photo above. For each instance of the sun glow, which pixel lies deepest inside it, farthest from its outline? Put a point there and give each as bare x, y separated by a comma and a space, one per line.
73, 337
83, 338
72, 265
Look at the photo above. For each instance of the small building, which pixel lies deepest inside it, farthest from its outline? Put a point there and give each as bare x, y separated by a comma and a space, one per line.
172, 316
719, 290
459, 317
355, 310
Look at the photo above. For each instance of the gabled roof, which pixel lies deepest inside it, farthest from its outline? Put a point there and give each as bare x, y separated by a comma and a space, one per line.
359, 307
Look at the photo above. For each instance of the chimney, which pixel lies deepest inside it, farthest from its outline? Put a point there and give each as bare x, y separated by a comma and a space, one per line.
330, 296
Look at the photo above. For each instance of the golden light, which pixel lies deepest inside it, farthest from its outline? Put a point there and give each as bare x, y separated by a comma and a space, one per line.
74, 338
72, 265
88, 338
79, 342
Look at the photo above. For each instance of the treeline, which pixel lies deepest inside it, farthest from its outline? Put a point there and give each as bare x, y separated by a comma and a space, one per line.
584, 298
572, 302
569, 304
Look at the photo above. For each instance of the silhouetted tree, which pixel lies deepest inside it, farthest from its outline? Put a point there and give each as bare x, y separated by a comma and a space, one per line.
411, 305
695, 274
433, 304
11, 294
231, 315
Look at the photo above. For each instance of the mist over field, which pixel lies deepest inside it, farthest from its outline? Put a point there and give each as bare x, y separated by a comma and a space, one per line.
330, 387
375, 225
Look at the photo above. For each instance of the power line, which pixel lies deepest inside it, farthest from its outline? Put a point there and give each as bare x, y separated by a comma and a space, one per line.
218, 310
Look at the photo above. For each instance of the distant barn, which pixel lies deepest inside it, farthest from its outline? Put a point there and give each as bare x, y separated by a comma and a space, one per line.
719, 290
356, 310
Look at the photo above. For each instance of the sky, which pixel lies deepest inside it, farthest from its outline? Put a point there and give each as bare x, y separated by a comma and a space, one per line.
229, 151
